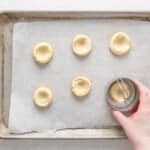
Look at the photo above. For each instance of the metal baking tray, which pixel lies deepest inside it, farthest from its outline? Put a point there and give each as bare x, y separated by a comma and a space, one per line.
7, 21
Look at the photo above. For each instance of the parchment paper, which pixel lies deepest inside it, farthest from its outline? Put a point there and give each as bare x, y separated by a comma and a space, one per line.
100, 67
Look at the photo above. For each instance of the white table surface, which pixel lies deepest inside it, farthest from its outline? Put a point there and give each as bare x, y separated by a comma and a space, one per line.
103, 5
112, 5
74, 5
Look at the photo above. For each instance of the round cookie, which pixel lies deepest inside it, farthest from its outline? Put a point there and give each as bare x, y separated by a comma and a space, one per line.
43, 53
81, 86
42, 97
120, 43
81, 45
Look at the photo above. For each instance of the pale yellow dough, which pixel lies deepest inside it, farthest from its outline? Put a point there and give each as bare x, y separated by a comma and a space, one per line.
43, 53
42, 97
81, 45
117, 94
120, 43
81, 86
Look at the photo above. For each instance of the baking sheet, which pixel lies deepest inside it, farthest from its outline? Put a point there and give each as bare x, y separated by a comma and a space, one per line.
100, 67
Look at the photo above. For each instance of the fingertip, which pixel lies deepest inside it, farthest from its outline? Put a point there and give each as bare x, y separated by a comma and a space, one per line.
111, 109
121, 118
142, 88
115, 112
140, 85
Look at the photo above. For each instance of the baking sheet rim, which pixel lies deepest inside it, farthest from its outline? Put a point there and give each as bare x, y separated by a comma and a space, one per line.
71, 135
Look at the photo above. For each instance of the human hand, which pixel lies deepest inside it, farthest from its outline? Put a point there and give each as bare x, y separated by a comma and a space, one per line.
137, 125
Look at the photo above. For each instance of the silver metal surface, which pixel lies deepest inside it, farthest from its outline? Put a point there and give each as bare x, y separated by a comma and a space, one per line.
7, 21
131, 95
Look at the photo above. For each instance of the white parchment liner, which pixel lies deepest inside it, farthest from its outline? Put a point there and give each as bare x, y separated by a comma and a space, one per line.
100, 67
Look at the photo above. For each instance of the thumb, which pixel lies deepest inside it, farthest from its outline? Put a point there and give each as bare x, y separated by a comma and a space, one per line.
122, 119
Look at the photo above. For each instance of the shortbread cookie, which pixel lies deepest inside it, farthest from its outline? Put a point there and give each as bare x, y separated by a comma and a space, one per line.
42, 97
81, 86
81, 45
43, 53
120, 43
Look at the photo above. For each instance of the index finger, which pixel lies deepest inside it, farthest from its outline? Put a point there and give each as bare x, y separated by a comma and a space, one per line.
141, 87
143, 91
